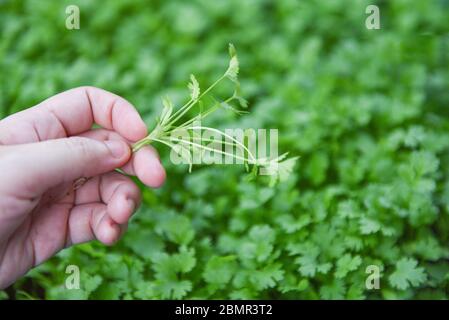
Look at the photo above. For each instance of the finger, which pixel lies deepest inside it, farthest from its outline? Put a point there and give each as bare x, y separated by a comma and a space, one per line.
122, 198
118, 192
88, 222
33, 168
70, 113
147, 167
145, 164
107, 230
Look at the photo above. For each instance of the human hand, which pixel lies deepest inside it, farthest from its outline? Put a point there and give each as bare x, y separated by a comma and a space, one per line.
43, 150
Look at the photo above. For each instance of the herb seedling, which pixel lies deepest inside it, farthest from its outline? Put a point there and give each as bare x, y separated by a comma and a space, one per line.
170, 121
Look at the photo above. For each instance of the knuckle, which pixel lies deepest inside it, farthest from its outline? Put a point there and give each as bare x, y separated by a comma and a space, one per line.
80, 146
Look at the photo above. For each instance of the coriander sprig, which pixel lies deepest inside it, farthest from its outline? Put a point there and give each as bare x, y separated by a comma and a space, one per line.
170, 121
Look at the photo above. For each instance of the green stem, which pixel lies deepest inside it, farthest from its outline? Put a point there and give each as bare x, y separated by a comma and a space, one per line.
139, 144
178, 115
185, 107
253, 158
164, 142
213, 140
205, 114
211, 149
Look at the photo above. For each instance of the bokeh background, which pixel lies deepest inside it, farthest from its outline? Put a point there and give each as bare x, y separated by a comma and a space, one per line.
366, 110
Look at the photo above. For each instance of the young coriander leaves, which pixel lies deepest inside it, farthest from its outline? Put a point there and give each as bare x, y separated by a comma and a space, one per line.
170, 122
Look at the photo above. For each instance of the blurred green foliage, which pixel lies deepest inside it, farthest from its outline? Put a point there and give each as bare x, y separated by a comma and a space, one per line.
367, 111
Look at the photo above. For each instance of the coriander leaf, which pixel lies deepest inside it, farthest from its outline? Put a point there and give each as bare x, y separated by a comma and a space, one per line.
346, 264
194, 88
407, 274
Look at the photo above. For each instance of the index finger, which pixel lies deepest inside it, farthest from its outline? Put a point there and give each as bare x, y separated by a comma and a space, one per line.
73, 112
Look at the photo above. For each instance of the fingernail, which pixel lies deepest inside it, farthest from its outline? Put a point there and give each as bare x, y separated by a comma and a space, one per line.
118, 149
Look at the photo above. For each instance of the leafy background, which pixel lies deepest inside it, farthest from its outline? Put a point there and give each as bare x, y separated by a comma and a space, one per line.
367, 111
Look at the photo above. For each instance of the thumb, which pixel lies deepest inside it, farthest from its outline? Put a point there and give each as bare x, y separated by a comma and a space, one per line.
34, 168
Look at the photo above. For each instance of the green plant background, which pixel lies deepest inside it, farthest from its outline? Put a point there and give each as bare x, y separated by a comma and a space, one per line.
367, 111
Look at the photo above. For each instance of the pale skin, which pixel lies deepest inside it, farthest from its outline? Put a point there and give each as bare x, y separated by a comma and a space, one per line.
44, 150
